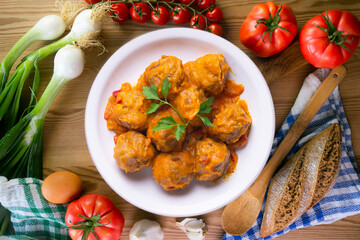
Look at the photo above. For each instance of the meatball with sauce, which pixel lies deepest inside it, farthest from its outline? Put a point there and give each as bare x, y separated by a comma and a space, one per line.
212, 158
231, 122
188, 101
130, 108
167, 66
165, 140
173, 170
208, 72
133, 151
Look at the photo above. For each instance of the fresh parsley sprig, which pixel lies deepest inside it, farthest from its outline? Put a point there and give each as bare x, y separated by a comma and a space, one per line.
169, 122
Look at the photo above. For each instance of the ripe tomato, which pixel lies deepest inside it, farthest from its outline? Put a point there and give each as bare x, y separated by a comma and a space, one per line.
119, 12
160, 15
204, 4
216, 29
329, 39
92, 1
214, 15
187, 2
180, 15
198, 22
268, 29
140, 12
95, 217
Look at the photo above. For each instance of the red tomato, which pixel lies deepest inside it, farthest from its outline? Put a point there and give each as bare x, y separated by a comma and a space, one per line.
216, 29
140, 12
160, 15
204, 4
92, 215
198, 22
267, 35
214, 15
329, 39
92, 1
180, 15
187, 2
119, 12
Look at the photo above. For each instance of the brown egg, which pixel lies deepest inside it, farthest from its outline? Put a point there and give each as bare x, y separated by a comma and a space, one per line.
61, 187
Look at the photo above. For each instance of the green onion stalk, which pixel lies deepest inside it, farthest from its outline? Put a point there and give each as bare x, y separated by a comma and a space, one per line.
21, 147
47, 28
84, 28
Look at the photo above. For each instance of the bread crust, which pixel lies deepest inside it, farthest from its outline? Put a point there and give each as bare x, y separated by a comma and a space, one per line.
320, 164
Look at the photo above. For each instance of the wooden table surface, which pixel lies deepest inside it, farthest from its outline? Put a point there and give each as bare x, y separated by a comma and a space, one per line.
64, 139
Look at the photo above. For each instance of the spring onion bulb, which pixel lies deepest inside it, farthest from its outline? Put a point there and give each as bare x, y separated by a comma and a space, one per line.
21, 147
85, 28
47, 28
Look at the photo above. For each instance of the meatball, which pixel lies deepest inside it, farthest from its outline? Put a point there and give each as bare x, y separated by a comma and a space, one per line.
208, 72
212, 158
173, 170
133, 151
130, 108
231, 122
188, 101
165, 140
167, 66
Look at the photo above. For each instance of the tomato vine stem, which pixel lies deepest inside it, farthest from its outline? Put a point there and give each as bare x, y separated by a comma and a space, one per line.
271, 23
334, 35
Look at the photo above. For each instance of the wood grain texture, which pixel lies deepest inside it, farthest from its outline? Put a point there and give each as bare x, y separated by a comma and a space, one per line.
64, 138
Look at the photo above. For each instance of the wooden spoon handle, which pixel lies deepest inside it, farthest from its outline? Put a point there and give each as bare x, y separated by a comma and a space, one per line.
307, 114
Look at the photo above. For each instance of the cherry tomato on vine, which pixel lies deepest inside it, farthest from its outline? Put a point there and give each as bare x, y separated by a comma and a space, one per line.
187, 2
160, 15
92, 1
198, 22
119, 12
214, 15
216, 29
140, 12
329, 39
204, 4
180, 15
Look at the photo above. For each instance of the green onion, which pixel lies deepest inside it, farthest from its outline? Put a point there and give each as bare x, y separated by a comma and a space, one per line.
47, 28
84, 28
21, 147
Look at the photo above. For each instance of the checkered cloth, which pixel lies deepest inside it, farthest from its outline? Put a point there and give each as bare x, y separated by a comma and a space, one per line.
343, 199
31, 214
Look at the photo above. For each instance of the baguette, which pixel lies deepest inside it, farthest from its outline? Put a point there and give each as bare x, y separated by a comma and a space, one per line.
303, 181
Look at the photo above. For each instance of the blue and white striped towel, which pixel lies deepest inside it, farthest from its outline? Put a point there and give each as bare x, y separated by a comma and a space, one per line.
343, 199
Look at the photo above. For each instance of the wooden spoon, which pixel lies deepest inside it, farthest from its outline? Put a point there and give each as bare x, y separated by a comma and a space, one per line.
240, 215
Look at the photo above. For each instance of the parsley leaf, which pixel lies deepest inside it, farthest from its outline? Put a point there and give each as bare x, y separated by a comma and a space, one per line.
179, 131
153, 107
206, 121
169, 120
205, 106
165, 123
165, 87
150, 92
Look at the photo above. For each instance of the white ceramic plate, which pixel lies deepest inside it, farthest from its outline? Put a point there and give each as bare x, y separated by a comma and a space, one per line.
140, 189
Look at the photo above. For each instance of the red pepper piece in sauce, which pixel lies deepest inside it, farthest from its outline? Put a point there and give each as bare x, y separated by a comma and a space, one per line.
115, 93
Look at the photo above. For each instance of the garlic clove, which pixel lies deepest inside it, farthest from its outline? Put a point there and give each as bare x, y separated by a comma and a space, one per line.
146, 230
194, 228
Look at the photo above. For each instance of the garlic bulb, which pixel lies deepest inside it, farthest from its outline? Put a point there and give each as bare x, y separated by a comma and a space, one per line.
146, 230
194, 228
